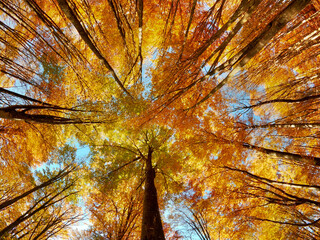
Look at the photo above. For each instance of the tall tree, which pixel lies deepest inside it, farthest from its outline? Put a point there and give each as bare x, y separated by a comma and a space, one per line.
142, 159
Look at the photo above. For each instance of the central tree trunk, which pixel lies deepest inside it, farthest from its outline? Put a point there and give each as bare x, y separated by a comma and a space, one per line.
151, 220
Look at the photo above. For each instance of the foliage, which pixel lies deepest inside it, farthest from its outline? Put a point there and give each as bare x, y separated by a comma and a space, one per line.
209, 108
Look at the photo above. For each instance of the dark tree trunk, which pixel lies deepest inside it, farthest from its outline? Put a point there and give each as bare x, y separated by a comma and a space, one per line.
20, 112
151, 220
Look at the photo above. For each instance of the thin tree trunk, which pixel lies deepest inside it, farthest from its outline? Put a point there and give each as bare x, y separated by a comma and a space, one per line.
20, 112
59, 176
283, 100
3, 90
274, 182
151, 220
286, 155
285, 125
271, 152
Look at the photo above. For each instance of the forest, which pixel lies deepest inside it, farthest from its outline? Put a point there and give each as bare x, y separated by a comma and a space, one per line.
159, 119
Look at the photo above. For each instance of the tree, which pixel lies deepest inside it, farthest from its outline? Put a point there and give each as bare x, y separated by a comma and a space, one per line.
142, 159
211, 104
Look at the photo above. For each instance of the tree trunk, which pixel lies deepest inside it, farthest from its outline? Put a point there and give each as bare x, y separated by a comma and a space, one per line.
20, 112
151, 220
286, 155
283, 100
271, 152
247, 53
286, 125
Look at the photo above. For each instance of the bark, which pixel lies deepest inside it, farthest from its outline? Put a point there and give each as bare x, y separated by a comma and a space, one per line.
151, 220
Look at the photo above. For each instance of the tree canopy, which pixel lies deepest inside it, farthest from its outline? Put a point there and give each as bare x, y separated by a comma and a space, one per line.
152, 119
